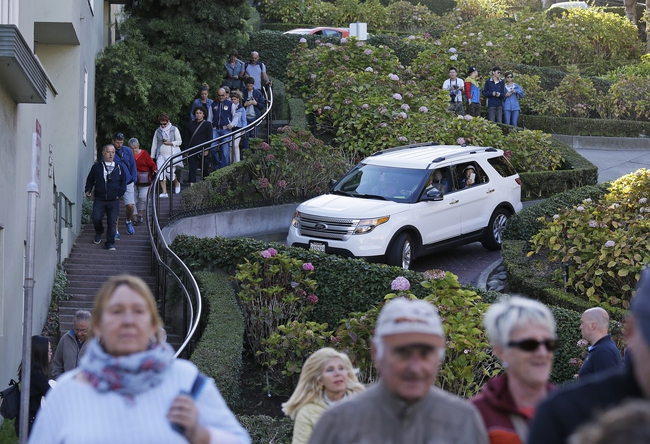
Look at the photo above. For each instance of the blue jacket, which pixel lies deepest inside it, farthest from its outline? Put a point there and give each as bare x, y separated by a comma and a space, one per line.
259, 98
511, 103
106, 190
472, 91
208, 106
491, 87
124, 156
240, 118
221, 113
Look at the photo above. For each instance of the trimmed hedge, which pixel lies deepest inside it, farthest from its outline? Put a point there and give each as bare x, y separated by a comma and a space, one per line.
586, 127
280, 107
218, 353
577, 172
526, 223
297, 116
264, 429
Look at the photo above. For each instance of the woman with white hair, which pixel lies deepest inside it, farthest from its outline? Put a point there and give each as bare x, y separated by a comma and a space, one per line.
327, 377
522, 334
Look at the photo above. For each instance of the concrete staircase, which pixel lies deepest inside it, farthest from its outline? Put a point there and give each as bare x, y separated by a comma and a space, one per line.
90, 265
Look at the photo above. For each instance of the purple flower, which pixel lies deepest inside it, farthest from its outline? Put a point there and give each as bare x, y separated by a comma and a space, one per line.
580, 208
556, 216
411, 37
643, 200
383, 125
593, 224
343, 40
369, 69
282, 183
308, 266
401, 115
397, 96
269, 157
405, 107
368, 52
427, 35
609, 244
489, 44
583, 343
312, 299
313, 76
272, 251
329, 45
402, 139
264, 146
424, 109
302, 40
263, 182
359, 44
365, 106
452, 50
327, 108
460, 141
400, 283
393, 77
265, 254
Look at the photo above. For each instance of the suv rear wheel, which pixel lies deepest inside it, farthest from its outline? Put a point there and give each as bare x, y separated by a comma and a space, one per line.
400, 252
494, 232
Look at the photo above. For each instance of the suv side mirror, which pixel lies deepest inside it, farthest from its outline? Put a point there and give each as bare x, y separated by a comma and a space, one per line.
332, 183
433, 194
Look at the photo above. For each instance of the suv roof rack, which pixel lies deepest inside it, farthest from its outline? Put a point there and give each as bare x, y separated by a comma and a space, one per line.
405, 147
463, 153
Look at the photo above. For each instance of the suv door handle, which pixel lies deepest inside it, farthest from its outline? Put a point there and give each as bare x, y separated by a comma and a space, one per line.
491, 190
453, 202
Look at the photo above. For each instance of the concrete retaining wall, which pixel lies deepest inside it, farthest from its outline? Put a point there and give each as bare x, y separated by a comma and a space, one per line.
604, 143
251, 222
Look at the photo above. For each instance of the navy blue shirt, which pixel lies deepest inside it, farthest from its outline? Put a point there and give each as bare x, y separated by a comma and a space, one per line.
221, 113
603, 355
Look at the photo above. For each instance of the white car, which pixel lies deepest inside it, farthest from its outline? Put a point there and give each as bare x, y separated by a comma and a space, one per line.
410, 201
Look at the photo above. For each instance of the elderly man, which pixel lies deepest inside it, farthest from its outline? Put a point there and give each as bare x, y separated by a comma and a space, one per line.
557, 418
256, 70
72, 345
603, 353
222, 114
404, 407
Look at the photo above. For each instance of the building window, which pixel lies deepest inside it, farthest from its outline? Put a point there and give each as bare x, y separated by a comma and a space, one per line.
8, 12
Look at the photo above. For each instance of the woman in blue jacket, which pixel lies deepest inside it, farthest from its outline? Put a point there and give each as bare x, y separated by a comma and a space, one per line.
511, 108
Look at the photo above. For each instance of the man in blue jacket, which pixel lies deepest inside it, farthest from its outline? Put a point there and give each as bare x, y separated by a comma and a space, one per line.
494, 91
222, 116
108, 179
124, 157
603, 353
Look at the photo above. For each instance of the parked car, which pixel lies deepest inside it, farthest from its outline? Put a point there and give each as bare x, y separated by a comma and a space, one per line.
409, 201
569, 5
322, 30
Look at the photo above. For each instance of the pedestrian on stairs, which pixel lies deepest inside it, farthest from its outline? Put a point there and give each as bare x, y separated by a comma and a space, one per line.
108, 180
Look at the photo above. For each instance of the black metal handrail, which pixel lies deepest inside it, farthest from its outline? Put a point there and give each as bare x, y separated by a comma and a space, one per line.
166, 263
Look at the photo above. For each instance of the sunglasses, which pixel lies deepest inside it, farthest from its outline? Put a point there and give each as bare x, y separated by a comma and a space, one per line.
531, 345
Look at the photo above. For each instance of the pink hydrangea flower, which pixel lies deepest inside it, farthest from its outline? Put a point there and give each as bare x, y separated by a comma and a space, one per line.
264, 146
272, 251
343, 40
282, 183
269, 157
308, 266
368, 52
312, 299
402, 139
359, 44
583, 343
265, 254
263, 182
400, 283
460, 141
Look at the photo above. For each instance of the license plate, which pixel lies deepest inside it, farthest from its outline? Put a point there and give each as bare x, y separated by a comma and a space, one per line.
317, 246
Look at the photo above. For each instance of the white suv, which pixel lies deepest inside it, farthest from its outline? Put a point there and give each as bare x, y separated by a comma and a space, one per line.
410, 201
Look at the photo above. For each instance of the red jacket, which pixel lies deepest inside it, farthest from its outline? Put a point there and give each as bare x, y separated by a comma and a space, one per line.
495, 404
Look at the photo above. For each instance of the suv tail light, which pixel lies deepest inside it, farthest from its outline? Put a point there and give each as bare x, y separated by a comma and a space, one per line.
518, 180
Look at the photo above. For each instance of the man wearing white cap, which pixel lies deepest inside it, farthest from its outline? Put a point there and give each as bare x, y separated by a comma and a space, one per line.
404, 407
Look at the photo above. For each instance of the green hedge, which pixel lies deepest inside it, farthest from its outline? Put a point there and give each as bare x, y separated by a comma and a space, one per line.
526, 223
297, 116
576, 172
264, 429
280, 106
586, 127
219, 351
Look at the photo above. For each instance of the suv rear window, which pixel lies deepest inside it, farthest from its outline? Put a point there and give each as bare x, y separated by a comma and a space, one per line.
503, 166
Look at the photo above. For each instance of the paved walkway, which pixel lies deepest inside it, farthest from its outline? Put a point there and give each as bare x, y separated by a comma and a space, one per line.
613, 164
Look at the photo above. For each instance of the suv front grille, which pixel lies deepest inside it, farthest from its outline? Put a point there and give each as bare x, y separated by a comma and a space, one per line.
326, 227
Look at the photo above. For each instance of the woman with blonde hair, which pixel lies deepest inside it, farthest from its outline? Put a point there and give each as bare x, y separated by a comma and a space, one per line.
327, 377
128, 386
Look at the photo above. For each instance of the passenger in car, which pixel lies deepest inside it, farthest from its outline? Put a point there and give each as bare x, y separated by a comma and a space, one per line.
469, 177
438, 181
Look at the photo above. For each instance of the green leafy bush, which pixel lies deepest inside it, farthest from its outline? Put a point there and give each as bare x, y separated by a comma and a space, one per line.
606, 244
627, 99
468, 363
286, 350
532, 151
218, 353
265, 429
274, 290
574, 97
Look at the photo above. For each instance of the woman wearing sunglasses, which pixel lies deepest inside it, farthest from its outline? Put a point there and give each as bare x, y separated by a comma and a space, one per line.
522, 335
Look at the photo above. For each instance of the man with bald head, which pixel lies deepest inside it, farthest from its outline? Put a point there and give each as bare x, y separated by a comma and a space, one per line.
603, 353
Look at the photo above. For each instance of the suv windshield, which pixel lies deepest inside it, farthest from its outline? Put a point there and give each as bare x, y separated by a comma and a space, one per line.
380, 182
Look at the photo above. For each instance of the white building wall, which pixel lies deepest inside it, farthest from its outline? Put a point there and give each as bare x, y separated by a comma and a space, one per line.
61, 118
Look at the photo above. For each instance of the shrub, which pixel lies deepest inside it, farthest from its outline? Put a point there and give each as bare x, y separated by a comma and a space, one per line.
286, 350
265, 429
574, 97
586, 127
298, 121
627, 99
606, 244
218, 353
274, 290
532, 151
467, 363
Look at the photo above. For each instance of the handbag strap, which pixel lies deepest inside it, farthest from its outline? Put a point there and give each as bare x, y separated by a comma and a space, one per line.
199, 382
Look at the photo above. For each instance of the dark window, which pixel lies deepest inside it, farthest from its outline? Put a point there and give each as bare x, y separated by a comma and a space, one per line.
503, 166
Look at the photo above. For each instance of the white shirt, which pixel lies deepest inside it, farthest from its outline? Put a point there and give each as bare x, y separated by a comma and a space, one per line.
456, 82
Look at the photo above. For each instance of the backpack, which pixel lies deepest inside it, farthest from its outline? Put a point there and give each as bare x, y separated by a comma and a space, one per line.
10, 403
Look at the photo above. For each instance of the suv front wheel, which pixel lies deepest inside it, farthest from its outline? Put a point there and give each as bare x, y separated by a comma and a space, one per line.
400, 252
494, 232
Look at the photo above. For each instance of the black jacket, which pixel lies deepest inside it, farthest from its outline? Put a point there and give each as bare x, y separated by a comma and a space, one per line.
106, 189
603, 355
562, 413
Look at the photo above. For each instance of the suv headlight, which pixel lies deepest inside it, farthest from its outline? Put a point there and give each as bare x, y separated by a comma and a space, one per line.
367, 225
296, 219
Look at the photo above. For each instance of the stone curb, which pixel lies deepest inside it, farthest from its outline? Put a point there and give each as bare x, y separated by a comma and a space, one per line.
483, 277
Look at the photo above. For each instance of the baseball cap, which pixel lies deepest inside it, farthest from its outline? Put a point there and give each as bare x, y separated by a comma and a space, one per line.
402, 315
118, 136
640, 306
471, 69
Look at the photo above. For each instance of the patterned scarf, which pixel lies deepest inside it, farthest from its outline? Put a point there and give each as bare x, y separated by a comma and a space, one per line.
126, 375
